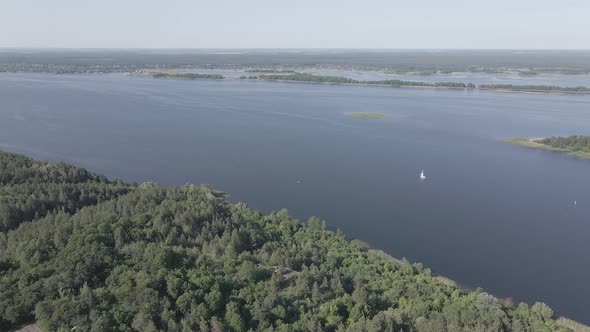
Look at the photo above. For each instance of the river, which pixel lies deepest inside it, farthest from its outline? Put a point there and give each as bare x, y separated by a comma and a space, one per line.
488, 215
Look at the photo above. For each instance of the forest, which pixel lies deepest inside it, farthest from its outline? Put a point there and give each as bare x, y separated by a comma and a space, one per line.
153, 258
573, 143
30, 189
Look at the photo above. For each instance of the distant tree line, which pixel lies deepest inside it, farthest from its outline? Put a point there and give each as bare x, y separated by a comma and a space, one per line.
304, 77
189, 76
95, 68
400, 83
282, 71
573, 143
250, 77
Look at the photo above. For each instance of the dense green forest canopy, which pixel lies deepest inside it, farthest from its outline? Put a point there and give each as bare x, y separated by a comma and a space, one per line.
29, 189
574, 143
184, 259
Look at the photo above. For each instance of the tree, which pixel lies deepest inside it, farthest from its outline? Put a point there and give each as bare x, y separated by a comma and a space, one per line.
233, 317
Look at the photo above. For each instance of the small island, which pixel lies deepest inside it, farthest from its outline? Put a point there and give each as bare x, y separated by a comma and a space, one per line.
577, 146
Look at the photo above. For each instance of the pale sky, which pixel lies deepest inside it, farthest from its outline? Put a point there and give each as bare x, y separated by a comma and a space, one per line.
397, 24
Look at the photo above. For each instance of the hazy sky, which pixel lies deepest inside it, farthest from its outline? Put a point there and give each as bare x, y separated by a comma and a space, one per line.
296, 24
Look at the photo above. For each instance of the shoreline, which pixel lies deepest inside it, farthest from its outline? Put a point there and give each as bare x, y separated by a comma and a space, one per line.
530, 142
562, 321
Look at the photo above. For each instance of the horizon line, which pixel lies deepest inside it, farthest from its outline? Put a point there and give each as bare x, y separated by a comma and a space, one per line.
294, 48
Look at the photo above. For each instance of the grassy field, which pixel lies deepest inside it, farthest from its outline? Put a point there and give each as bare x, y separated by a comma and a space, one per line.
533, 144
369, 115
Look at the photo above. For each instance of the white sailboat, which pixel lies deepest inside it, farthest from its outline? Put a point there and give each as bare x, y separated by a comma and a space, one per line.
422, 176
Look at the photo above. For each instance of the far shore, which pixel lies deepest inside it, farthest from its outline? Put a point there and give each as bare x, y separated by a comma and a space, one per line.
148, 73
172, 72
